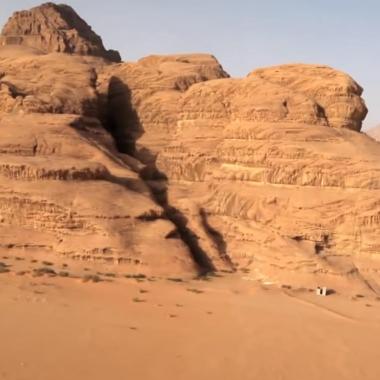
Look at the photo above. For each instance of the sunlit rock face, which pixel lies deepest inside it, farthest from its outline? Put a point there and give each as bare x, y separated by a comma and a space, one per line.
170, 165
64, 187
337, 95
54, 28
268, 169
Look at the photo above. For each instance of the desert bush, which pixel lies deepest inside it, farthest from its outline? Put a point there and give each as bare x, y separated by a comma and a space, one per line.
196, 291
44, 271
92, 278
138, 276
138, 300
175, 279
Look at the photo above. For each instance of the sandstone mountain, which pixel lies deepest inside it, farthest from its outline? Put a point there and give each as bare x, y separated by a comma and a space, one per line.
170, 165
54, 28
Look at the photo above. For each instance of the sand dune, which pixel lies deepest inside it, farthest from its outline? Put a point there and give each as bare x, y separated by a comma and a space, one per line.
231, 329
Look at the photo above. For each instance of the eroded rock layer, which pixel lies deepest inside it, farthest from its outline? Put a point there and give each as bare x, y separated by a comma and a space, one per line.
64, 188
266, 168
54, 28
142, 98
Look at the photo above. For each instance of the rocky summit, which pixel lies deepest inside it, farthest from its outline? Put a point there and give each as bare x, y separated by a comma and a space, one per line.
169, 165
54, 28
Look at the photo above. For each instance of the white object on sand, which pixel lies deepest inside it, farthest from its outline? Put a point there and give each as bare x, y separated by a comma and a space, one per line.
321, 291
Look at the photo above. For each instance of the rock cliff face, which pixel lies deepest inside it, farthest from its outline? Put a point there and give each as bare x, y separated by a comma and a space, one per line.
60, 170
54, 28
336, 95
169, 164
52, 83
142, 98
64, 190
267, 170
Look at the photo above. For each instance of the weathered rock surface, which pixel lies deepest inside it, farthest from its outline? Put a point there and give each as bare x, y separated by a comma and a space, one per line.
52, 83
64, 188
266, 168
336, 94
142, 98
54, 28
266, 173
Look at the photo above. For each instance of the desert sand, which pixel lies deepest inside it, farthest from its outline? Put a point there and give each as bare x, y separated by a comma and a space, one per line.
159, 328
162, 220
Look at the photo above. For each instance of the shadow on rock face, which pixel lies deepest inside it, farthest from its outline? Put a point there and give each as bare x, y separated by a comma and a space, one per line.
122, 120
217, 238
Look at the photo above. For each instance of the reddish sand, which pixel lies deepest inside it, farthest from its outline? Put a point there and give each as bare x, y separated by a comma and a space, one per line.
56, 328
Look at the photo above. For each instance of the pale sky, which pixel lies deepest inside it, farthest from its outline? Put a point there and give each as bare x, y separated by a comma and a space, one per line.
243, 34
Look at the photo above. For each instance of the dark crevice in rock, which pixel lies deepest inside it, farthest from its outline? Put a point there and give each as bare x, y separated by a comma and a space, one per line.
319, 245
318, 248
13, 90
321, 113
285, 105
324, 243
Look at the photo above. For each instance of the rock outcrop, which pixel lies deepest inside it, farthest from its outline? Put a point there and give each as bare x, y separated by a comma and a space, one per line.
51, 83
169, 164
336, 95
54, 28
64, 188
266, 168
142, 99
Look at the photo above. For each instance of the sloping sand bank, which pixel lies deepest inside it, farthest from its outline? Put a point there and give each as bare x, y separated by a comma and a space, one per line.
226, 328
